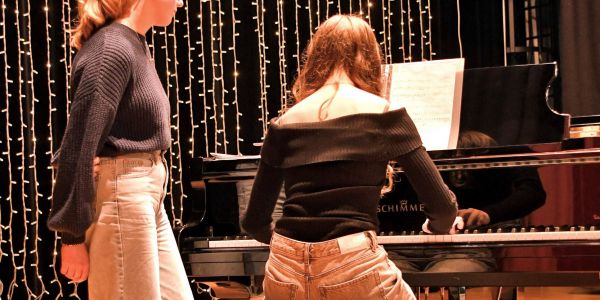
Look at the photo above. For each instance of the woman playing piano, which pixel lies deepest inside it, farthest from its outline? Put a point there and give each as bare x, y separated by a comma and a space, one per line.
331, 149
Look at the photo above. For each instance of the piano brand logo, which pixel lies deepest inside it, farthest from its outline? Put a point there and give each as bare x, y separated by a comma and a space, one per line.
596, 217
403, 206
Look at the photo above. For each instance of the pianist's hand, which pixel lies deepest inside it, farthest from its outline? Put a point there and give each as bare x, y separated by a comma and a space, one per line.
456, 226
474, 217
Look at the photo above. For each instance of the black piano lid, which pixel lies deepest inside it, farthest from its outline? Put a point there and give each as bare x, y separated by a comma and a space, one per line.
508, 104
511, 105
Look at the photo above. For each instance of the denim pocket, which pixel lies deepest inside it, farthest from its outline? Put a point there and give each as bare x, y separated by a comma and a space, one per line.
367, 286
276, 290
135, 167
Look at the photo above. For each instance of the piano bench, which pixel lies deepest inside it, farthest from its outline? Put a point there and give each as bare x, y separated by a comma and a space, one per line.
505, 279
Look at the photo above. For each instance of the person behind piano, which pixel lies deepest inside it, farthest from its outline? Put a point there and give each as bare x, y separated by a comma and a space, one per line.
486, 198
331, 151
114, 227
494, 196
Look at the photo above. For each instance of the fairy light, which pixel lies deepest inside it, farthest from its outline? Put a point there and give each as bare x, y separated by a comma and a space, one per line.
214, 116
458, 28
66, 60
360, 7
410, 33
176, 221
262, 48
165, 49
319, 13
297, 34
51, 110
402, 47
369, 5
233, 48
32, 159
21, 253
384, 32
310, 18
151, 45
430, 42
282, 61
388, 37
423, 36
190, 77
202, 79
7, 142
8, 139
221, 77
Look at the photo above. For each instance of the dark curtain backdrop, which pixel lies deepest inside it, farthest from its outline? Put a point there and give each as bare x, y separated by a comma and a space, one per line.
580, 56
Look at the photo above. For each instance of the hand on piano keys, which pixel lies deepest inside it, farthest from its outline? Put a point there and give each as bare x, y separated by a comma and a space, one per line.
474, 217
474, 238
458, 224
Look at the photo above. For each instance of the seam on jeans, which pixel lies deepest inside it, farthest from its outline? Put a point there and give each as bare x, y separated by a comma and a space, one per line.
324, 289
368, 255
120, 246
283, 266
379, 286
293, 286
166, 183
275, 248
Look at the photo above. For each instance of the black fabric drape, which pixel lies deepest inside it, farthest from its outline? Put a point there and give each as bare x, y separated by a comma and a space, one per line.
580, 56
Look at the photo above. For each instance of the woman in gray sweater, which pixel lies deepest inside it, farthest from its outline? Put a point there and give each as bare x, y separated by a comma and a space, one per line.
114, 227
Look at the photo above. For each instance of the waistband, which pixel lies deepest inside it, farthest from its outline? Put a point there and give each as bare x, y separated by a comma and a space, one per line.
345, 244
154, 156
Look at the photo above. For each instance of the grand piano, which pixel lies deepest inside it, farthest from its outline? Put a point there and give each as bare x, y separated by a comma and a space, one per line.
553, 241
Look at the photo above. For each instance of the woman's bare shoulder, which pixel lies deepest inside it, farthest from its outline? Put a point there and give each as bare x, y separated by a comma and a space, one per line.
347, 101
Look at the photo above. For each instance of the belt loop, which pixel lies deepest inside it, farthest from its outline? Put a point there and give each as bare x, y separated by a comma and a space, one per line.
372, 239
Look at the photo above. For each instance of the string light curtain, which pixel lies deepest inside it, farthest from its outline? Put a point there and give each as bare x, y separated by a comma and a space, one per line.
227, 67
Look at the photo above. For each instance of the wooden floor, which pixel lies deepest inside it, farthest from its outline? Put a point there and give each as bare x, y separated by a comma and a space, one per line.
528, 293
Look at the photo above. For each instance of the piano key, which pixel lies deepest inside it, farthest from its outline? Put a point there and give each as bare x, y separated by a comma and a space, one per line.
445, 238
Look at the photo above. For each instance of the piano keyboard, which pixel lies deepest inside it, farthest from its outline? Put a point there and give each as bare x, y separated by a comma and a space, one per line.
581, 233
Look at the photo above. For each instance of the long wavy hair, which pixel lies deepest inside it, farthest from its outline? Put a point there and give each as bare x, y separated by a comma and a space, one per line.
93, 14
342, 42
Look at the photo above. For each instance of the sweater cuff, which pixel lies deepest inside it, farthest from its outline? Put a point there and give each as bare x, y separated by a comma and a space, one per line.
69, 239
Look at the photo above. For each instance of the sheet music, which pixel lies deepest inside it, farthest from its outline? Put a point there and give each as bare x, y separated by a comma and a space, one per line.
430, 91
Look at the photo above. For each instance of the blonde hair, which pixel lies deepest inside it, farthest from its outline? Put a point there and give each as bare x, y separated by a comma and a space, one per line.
342, 42
93, 14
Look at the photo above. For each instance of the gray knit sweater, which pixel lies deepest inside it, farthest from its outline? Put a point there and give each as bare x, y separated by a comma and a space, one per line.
119, 106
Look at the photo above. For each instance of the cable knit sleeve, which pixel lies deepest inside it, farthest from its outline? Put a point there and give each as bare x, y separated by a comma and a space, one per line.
440, 202
99, 84
257, 220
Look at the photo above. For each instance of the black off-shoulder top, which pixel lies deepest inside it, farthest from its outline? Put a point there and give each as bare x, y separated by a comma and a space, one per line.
333, 172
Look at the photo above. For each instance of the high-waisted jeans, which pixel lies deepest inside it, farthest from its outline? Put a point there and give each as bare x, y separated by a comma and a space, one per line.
133, 254
350, 267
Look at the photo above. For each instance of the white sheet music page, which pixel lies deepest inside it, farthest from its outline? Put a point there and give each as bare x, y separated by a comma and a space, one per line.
431, 93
